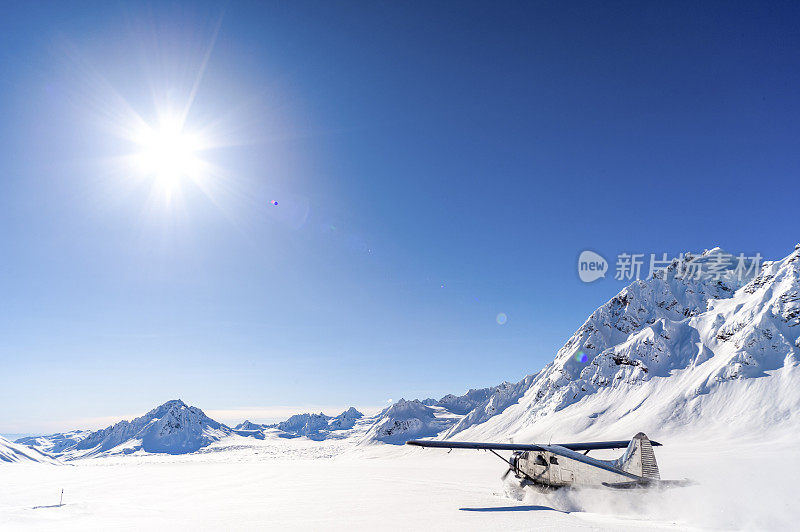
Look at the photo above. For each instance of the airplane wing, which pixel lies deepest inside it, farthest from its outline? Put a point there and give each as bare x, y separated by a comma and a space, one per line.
595, 445
586, 446
476, 445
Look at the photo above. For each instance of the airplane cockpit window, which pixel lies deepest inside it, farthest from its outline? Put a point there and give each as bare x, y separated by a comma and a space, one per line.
540, 460
554, 460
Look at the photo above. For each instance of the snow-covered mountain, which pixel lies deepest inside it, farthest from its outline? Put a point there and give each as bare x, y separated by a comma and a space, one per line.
345, 420
55, 443
670, 351
249, 425
659, 352
406, 420
318, 426
18, 453
305, 424
173, 428
463, 404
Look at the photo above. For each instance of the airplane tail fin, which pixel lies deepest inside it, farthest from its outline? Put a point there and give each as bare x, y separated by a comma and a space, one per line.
639, 458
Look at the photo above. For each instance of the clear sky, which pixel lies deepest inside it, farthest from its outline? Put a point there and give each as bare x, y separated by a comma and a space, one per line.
434, 164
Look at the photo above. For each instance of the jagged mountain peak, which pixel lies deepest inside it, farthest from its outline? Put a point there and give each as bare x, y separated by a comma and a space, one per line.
319, 426
172, 403
173, 427
673, 293
162, 409
405, 420
688, 336
249, 425
345, 420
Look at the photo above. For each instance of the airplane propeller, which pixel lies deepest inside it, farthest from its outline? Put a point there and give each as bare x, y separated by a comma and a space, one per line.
510, 469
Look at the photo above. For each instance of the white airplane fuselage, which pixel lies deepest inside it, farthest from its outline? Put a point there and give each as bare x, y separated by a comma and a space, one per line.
567, 468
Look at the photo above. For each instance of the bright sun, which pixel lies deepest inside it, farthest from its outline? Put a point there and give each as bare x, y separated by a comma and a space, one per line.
169, 154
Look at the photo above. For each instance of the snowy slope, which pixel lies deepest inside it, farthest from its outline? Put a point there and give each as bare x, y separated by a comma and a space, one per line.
18, 453
55, 443
671, 354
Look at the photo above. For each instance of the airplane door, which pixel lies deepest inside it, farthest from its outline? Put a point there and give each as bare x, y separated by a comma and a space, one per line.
555, 471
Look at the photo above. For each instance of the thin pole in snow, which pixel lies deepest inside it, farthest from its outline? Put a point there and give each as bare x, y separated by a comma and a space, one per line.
61, 500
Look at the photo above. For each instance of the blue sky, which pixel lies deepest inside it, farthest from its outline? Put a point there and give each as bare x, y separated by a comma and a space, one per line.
434, 164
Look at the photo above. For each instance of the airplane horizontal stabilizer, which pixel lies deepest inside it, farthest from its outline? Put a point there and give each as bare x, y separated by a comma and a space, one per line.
648, 484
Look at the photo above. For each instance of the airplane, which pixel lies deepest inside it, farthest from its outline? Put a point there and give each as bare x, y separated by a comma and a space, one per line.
550, 467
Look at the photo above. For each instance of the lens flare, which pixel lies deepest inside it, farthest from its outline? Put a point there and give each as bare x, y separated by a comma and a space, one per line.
501, 318
581, 357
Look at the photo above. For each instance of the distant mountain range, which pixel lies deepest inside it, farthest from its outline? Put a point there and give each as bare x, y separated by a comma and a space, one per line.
177, 428
313, 426
669, 351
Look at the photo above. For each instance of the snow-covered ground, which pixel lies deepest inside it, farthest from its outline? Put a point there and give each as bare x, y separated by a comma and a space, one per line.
302, 484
